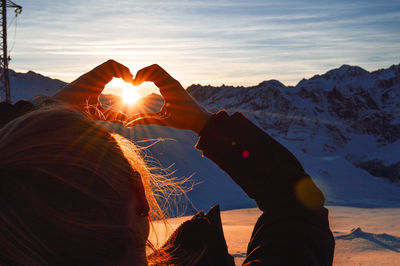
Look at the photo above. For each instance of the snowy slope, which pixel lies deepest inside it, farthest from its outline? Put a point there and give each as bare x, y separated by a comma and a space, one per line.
176, 149
332, 143
347, 112
341, 181
343, 126
366, 237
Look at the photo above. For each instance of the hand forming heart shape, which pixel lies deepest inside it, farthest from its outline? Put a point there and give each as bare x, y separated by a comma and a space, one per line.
180, 110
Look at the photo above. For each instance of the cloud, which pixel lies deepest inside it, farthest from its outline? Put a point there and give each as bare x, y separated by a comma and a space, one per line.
210, 42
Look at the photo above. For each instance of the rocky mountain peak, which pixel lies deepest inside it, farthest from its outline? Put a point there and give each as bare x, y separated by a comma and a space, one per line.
328, 114
347, 70
272, 83
347, 112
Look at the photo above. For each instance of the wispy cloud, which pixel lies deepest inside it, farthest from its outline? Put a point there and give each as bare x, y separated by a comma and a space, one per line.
209, 41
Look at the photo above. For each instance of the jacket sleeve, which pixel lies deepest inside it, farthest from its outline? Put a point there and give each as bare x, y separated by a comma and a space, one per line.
294, 227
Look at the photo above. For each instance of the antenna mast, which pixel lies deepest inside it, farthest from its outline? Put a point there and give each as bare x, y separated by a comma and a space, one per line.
5, 79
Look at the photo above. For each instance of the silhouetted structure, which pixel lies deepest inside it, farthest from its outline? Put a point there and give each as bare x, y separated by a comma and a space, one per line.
5, 58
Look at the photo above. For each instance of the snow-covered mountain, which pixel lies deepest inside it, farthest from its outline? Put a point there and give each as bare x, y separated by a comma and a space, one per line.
29, 84
347, 112
344, 127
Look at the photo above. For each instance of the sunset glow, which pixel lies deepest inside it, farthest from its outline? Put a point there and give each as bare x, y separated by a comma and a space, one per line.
127, 91
130, 96
207, 42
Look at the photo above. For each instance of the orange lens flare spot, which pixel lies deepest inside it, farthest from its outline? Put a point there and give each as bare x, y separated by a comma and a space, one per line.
308, 194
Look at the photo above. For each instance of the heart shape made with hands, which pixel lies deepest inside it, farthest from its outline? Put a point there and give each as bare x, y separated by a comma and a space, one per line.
179, 109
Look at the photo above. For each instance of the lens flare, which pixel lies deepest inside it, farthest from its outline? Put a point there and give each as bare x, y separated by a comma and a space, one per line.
127, 91
130, 96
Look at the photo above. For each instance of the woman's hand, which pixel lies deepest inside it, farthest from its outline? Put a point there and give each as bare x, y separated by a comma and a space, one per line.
84, 91
180, 110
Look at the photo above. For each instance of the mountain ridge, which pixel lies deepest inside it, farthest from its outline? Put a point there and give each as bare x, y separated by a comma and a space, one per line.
343, 126
340, 105
30, 84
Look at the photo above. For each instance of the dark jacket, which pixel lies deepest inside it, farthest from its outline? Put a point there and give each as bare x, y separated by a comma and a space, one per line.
294, 227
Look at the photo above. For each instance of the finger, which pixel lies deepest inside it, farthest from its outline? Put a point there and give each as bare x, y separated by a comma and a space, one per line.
158, 76
149, 73
112, 69
94, 81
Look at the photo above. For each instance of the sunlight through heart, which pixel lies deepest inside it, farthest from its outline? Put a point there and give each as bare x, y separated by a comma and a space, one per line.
127, 91
130, 96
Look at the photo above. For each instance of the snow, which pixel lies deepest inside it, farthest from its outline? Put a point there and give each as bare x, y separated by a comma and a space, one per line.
30, 84
326, 142
385, 153
378, 243
176, 149
346, 112
374, 241
326, 145
342, 182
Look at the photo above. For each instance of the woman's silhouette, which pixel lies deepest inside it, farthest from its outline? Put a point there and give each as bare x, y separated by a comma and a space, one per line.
74, 193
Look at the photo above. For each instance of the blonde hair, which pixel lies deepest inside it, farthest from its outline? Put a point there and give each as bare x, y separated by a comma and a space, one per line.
64, 186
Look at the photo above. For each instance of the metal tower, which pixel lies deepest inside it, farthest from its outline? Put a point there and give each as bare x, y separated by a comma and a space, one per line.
4, 78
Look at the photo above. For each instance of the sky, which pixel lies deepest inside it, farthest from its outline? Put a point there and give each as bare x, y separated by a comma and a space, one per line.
205, 42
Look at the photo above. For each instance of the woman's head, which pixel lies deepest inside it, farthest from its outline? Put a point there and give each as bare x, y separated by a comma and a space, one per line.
69, 194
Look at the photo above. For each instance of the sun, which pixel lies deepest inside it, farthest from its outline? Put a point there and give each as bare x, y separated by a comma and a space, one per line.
130, 95
127, 91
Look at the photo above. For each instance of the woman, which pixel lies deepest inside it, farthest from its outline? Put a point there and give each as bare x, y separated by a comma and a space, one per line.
73, 193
